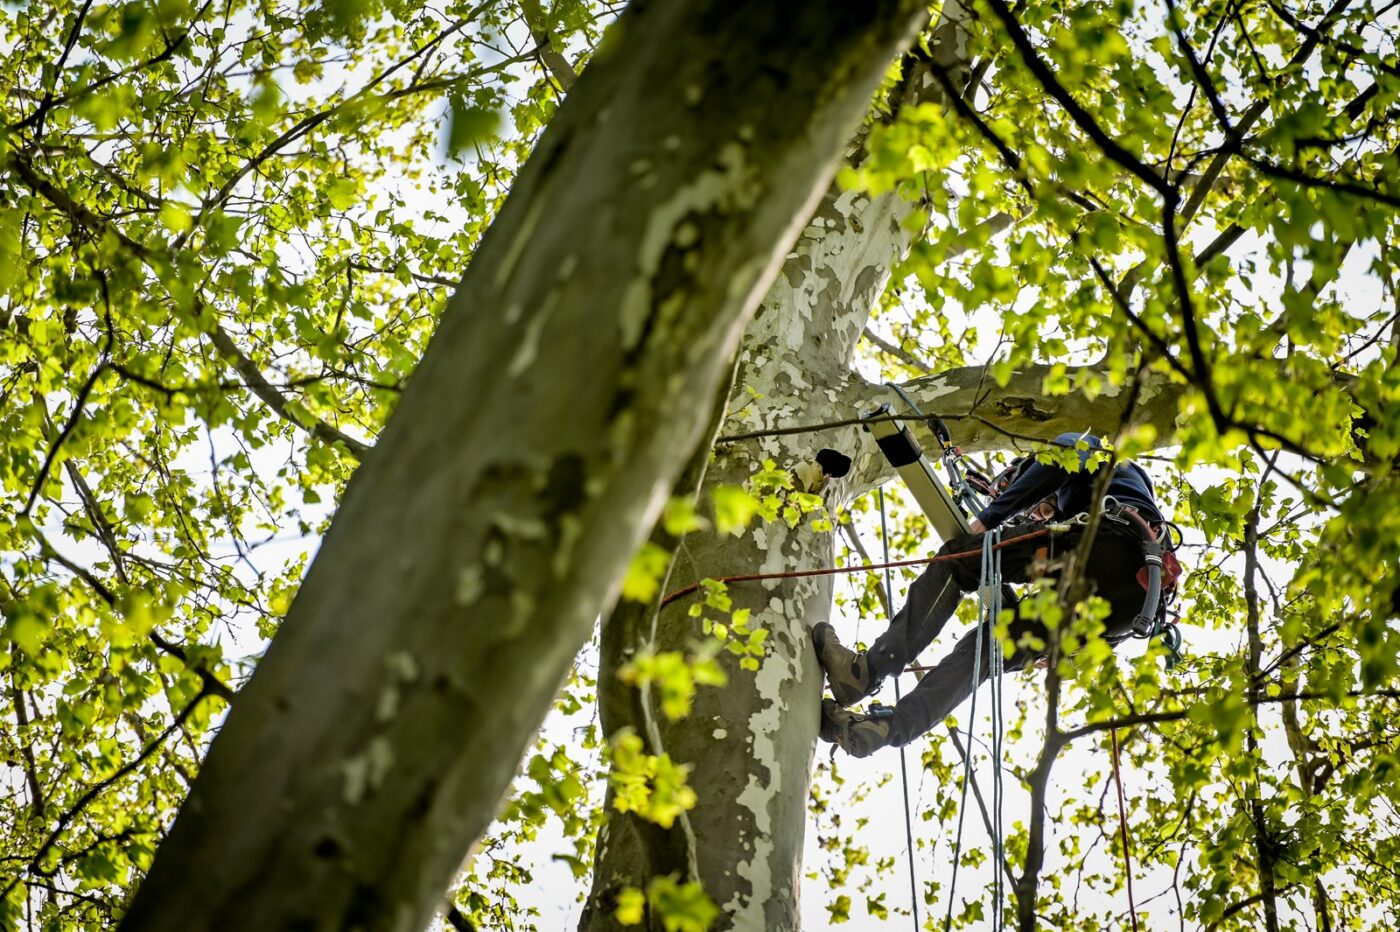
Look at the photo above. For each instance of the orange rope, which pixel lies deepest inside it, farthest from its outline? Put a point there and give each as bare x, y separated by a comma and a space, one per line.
866, 567
1123, 826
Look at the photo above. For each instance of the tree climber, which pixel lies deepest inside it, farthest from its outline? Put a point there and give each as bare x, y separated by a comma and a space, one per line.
1051, 494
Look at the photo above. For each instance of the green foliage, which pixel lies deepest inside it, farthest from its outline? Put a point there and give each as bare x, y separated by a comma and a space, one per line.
227, 233
675, 676
652, 786
644, 573
225, 238
681, 907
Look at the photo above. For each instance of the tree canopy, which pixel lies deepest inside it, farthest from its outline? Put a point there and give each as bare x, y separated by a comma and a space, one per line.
229, 229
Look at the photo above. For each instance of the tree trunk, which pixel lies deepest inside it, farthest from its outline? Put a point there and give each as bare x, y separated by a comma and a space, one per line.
525, 463
750, 743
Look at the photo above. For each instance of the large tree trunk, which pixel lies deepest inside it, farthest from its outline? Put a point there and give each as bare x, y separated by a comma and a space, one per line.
525, 463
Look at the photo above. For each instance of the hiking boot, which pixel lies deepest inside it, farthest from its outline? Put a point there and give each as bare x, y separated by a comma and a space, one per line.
847, 671
856, 734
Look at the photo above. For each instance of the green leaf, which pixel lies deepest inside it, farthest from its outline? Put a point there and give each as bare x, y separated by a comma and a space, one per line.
680, 517
630, 905
644, 573
468, 124
734, 509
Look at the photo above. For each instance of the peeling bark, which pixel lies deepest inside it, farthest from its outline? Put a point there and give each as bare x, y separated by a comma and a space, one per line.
526, 461
750, 743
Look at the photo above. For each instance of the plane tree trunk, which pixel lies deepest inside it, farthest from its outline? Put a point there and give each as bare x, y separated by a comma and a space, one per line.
525, 463
750, 743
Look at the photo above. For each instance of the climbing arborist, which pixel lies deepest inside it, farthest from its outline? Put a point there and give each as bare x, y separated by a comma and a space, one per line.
1053, 495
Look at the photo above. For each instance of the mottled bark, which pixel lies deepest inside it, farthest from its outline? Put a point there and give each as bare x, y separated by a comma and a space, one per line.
526, 461
750, 743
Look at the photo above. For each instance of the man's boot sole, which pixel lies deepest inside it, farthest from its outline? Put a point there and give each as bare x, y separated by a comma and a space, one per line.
819, 636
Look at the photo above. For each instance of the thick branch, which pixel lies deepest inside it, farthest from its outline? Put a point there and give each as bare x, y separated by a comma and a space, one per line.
557, 65
279, 403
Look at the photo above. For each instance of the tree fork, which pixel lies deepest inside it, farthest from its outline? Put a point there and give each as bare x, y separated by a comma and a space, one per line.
489, 527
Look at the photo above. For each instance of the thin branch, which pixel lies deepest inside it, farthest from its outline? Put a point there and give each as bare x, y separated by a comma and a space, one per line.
79, 402
99, 788
1187, 308
31, 766
1339, 185
965, 110
257, 382
170, 49
43, 109
981, 803
1037, 66
1241, 906
416, 276
898, 352
554, 62
809, 428
1157, 718
278, 402
305, 125
1264, 844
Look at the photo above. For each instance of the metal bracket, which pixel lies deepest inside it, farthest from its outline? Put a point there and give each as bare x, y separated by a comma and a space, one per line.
908, 459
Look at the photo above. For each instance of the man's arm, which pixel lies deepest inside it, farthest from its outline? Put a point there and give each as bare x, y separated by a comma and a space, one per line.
1036, 482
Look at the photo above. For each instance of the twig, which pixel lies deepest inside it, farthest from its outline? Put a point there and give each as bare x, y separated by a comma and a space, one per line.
98, 789
898, 352
47, 102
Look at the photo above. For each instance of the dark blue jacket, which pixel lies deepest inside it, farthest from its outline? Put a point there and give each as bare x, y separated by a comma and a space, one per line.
1130, 485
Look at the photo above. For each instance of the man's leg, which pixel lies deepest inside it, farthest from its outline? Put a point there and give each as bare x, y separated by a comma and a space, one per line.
933, 598
1112, 572
948, 684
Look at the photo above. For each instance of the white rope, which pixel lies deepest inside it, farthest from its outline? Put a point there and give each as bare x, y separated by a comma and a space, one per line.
990, 595
903, 770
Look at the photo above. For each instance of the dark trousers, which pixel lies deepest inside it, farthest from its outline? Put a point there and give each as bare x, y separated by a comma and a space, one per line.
1112, 572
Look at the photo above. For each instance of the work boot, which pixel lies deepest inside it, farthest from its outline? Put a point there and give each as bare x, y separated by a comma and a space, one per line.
856, 734
847, 671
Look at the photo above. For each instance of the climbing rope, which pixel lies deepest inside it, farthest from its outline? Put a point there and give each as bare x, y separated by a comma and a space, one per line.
992, 585
903, 770
991, 601
862, 568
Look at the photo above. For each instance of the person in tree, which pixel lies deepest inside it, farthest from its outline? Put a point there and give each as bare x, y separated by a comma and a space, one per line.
1043, 493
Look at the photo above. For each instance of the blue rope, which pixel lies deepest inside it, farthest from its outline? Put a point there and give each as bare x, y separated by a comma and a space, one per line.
998, 662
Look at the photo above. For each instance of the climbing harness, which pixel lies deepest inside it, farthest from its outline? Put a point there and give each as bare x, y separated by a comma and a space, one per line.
1158, 577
